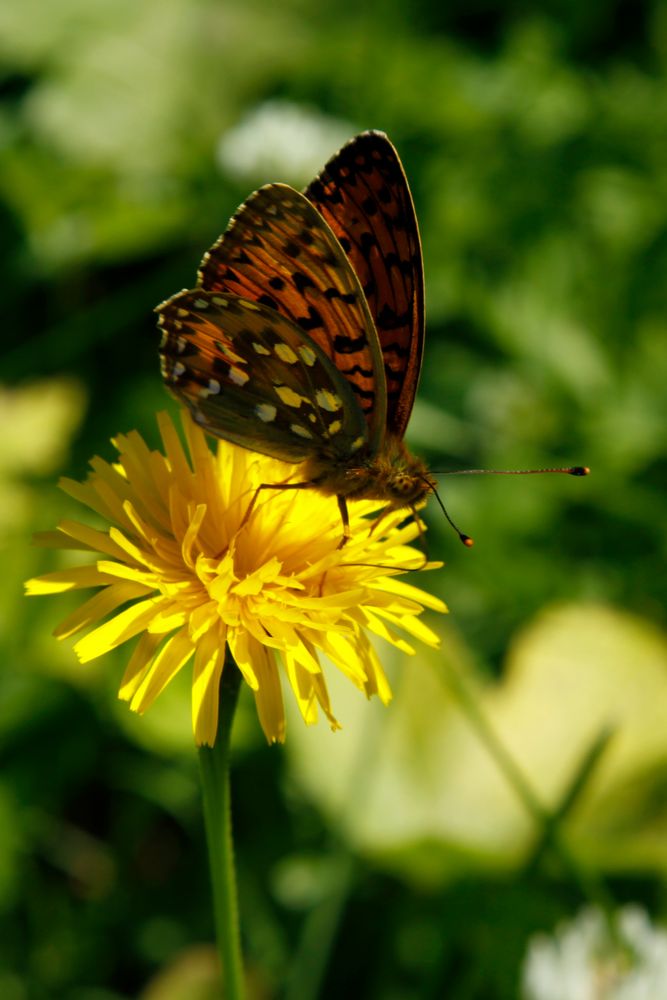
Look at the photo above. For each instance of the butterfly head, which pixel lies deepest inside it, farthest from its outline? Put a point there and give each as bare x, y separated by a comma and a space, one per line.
394, 477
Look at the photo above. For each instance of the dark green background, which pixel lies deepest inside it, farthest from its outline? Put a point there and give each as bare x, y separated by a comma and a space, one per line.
535, 140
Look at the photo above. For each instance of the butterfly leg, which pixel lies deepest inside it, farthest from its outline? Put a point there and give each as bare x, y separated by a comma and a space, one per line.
270, 486
379, 519
342, 507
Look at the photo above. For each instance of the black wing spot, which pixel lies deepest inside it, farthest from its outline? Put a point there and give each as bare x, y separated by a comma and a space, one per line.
396, 348
389, 319
184, 351
312, 321
400, 221
350, 345
348, 297
306, 237
220, 366
358, 370
366, 242
329, 260
369, 206
292, 249
363, 393
386, 318
345, 243
277, 283
241, 258
266, 300
332, 194
302, 281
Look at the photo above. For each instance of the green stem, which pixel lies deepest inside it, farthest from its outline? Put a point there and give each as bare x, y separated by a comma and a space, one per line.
549, 825
214, 769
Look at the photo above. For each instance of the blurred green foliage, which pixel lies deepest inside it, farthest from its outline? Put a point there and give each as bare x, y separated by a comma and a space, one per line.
392, 860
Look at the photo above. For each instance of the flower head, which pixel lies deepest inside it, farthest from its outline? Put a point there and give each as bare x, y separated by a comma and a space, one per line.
585, 960
184, 571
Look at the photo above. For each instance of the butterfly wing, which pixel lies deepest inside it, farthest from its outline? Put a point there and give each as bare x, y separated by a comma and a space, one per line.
253, 377
279, 252
364, 196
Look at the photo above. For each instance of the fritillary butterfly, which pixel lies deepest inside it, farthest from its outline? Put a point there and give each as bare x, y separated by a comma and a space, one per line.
303, 339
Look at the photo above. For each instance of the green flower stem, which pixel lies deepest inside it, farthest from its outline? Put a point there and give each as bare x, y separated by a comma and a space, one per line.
214, 769
547, 822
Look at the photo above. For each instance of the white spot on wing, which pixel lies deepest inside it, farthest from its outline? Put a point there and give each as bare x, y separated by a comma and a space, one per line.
212, 389
300, 431
266, 412
328, 401
237, 376
286, 354
288, 396
308, 355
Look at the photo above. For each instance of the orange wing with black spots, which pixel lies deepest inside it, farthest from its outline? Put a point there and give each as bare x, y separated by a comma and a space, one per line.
280, 252
304, 336
364, 196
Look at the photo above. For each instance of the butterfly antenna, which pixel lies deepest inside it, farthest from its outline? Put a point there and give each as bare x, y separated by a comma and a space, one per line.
572, 470
466, 539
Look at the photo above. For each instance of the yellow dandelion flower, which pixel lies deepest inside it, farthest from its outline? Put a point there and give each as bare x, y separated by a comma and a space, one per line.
179, 570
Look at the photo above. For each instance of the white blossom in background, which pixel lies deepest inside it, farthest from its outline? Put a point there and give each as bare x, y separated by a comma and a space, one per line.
581, 961
279, 140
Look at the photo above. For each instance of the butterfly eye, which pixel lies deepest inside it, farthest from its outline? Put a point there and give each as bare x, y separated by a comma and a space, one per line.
403, 486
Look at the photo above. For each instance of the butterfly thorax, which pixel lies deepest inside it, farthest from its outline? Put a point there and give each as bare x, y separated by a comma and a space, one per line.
393, 476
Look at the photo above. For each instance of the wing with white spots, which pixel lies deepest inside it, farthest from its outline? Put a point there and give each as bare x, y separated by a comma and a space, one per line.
280, 252
251, 376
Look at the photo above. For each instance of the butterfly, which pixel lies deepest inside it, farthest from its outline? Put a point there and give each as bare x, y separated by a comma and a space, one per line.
304, 336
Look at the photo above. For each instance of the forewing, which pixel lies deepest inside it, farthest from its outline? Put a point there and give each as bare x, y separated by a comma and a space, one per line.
253, 377
364, 196
278, 251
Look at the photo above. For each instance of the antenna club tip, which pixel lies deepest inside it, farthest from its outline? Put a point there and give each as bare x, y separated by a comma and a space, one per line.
467, 540
579, 470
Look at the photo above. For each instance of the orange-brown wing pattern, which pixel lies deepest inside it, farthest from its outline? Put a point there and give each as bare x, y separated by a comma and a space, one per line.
279, 252
364, 196
249, 375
